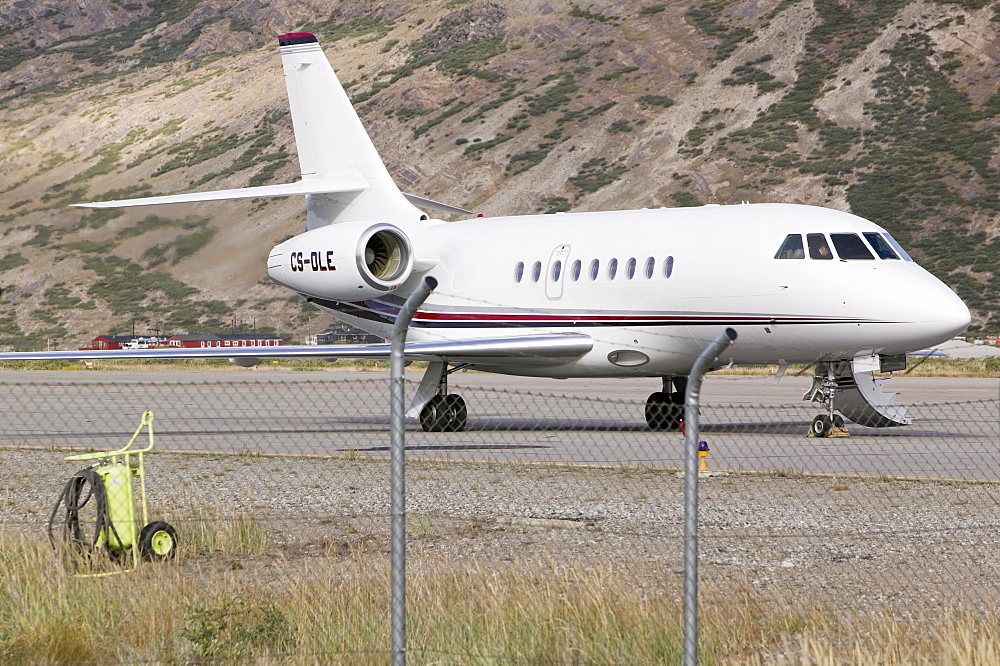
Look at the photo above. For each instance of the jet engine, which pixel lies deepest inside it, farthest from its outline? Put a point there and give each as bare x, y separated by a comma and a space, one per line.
344, 262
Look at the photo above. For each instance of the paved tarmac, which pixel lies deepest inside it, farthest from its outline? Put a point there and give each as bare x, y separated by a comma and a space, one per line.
750, 422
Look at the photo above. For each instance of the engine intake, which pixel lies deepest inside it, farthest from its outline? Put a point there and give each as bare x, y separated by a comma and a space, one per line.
344, 262
384, 256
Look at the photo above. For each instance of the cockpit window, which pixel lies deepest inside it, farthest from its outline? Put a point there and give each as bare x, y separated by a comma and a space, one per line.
896, 246
791, 248
818, 247
880, 245
850, 246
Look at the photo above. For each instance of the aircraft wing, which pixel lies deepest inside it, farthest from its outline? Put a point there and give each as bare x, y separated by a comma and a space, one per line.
542, 350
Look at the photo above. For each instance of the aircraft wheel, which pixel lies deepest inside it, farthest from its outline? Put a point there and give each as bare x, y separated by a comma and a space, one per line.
456, 413
838, 421
444, 413
432, 416
158, 541
821, 426
662, 413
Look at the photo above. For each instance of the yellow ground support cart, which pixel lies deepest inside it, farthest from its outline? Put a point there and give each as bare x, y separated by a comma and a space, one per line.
104, 496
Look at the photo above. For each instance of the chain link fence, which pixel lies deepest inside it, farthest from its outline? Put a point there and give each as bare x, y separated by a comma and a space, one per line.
278, 486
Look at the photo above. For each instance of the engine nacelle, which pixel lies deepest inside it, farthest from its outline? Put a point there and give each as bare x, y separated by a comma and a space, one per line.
344, 262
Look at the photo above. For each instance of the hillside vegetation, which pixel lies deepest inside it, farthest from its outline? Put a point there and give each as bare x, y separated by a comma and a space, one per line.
887, 108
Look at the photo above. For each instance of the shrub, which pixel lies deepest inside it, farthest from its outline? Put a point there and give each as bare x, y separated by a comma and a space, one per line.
12, 260
657, 100
685, 199
595, 174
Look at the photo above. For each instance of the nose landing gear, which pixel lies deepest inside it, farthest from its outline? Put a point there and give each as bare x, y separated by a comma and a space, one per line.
826, 383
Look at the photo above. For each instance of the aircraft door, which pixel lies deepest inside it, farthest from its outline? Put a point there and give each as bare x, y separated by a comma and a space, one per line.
555, 274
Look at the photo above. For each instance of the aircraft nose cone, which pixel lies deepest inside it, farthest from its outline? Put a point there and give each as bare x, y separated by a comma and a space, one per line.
948, 312
914, 301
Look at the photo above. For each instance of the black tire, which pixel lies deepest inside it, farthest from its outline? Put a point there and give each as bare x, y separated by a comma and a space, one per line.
838, 421
456, 413
158, 541
433, 415
446, 413
662, 413
821, 426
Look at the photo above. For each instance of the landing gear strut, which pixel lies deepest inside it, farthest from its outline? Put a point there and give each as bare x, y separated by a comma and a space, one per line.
444, 412
823, 390
664, 409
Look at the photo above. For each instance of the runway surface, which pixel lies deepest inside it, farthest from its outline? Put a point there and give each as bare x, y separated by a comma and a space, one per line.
750, 423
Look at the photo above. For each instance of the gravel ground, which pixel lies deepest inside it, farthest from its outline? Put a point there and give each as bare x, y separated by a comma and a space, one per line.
864, 544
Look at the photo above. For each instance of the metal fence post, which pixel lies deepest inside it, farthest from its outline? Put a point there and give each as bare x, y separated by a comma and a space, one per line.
691, 401
397, 468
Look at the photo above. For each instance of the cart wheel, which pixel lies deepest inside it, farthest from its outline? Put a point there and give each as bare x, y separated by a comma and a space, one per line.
158, 541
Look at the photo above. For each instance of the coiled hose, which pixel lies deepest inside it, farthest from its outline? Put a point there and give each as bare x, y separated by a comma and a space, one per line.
82, 487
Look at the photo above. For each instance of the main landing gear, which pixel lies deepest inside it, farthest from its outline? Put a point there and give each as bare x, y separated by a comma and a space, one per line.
444, 412
665, 409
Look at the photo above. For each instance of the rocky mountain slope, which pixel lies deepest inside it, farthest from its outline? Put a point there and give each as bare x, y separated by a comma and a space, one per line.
887, 108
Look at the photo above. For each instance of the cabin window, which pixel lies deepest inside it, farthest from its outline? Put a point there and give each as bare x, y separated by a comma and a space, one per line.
630, 268
818, 247
556, 270
668, 267
612, 269
519, 272
650, 267
791, 248
577, 269
536, 271
595, 268
850, 246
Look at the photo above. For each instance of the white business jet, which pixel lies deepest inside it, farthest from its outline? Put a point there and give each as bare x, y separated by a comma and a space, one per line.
633, 293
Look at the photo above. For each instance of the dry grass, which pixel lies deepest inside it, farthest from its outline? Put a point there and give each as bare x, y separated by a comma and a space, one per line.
234, 596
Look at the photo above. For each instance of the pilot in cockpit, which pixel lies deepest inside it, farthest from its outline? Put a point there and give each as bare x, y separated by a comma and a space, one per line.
818, 247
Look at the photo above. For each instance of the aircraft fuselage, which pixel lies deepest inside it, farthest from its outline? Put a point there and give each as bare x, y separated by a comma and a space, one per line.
651, 287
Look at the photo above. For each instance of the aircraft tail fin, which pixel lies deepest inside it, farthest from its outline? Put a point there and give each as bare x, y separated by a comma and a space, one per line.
343, 177
332, 142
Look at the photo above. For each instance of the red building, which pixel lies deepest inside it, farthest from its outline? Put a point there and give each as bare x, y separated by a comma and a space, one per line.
109, 341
